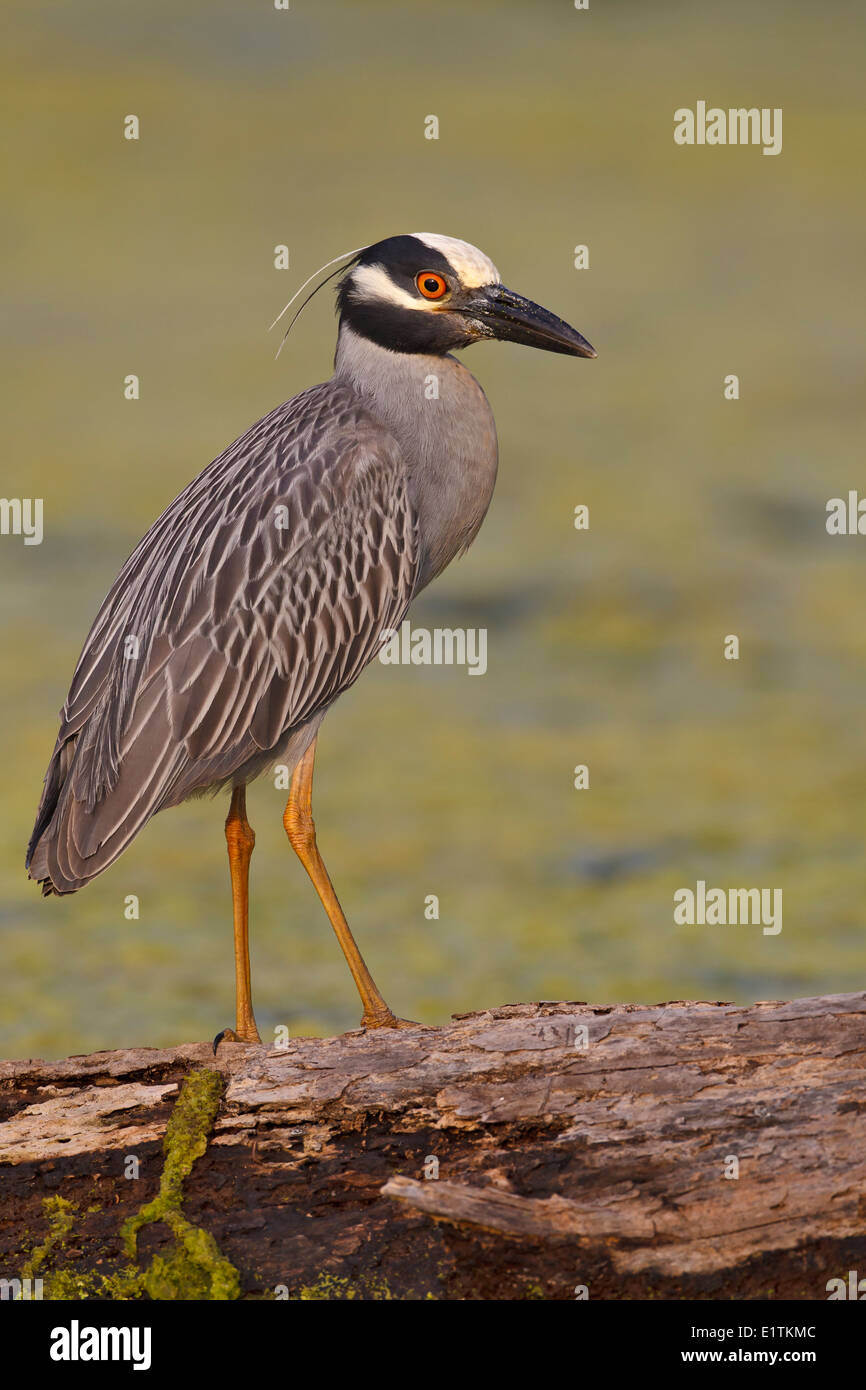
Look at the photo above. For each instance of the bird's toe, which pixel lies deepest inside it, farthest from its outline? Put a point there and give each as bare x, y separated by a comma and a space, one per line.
226, 1035
388, 1020
229, 1035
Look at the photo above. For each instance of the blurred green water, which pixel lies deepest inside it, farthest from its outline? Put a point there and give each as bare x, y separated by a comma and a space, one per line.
707, 516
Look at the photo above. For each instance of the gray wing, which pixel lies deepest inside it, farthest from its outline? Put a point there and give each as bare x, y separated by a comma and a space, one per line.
258, 596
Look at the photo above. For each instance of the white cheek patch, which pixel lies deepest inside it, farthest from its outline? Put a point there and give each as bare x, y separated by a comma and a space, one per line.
372, 282
473, 268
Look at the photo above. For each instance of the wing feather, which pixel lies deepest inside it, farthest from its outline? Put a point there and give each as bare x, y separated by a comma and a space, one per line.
258, 596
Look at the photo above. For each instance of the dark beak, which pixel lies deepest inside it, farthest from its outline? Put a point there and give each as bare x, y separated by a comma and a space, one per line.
500, 313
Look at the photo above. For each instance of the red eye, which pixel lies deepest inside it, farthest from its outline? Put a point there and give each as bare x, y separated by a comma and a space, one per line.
431, 284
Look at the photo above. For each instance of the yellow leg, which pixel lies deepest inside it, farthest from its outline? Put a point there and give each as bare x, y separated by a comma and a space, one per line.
301, 830
240, 838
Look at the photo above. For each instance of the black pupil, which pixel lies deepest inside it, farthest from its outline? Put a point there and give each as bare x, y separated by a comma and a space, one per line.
431, 286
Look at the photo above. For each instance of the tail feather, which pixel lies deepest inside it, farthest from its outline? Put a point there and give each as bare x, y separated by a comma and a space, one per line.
73, 842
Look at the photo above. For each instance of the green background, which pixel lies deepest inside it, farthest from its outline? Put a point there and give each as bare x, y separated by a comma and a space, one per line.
605, 647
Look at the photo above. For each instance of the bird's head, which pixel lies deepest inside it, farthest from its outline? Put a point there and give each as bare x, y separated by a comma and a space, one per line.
431, 294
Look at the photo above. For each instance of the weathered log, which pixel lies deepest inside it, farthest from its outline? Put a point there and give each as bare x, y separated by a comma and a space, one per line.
535, 1150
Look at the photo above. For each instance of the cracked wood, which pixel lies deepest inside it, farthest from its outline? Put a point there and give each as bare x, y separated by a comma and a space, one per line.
556, 1156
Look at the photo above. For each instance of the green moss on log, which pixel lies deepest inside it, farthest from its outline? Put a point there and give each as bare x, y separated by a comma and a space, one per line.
194, 1269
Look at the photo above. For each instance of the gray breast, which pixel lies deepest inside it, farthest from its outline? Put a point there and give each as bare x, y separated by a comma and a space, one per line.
443, 423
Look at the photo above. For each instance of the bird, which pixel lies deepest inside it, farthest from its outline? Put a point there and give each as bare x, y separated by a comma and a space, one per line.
262, 592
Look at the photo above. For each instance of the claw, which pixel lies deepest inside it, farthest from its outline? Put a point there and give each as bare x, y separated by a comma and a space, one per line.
227, 1035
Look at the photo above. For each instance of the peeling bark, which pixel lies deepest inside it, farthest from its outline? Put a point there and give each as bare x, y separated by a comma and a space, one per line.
559, 1164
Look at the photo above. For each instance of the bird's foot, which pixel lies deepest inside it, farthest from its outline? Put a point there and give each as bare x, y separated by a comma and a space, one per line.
385, 1019
246, 1035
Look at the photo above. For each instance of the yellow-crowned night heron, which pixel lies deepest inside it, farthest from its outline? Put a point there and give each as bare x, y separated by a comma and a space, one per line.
264, 590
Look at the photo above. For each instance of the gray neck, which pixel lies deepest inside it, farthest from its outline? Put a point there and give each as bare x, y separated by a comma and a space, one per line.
442, 421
